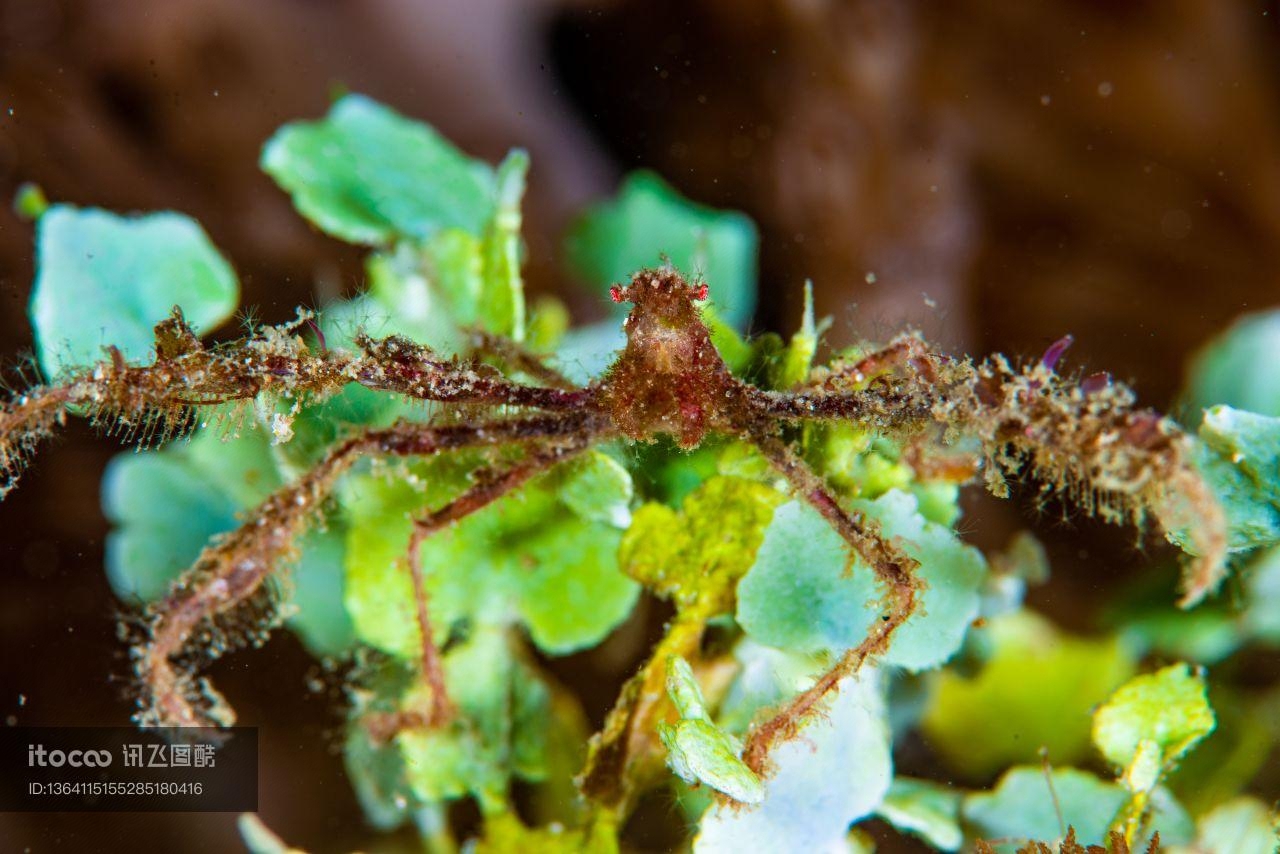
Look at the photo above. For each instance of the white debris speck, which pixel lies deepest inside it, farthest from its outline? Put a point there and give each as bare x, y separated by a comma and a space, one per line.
281, 428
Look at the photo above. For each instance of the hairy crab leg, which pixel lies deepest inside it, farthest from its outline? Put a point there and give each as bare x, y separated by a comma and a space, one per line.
185, 375
24, 422
894, 569
232, 569
873, 407
401, 366
852, 393
1085, 439
541, 458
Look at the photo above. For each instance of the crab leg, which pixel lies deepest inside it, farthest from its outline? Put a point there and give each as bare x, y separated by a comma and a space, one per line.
233, 568
540, 458
894, 569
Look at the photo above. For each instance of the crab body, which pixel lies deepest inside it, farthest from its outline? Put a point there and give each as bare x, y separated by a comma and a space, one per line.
670, 379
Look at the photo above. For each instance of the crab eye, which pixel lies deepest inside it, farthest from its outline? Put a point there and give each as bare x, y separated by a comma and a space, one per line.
700, 293
616, 294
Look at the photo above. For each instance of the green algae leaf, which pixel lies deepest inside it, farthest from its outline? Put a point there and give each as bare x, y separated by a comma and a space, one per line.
1242, 825
1030, 803
377, 774
410, 289
163, 515
859, 464
1166, 712
703, 547
107, 279
548, 322
793, 367
166, 505
436, 289
505, 833
697, 750
1025, 806
738, 353
366, 174
1150, 622
685, 693
502, 310
379, 511
806, 593
598, 488
528, 559
435, 293
928, 810
835, 771
700, 753
1206, 635
1036, 689
587, 350
1239, 455
1166, 814
1222, 766
1238, 369
766, 677
649, 220
1261, 618
572, 594
315, 609
503, 716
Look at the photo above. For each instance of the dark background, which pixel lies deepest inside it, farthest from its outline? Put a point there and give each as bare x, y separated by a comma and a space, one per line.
1005, 172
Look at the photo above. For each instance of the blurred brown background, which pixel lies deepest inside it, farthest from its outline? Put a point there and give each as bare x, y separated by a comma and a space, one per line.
997, 173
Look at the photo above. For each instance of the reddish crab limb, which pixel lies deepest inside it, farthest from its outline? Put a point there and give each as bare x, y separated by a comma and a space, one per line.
540, 459
398, 365
1091, 444
885, 409
891, 565
895, 386
233, 569
24, 422
905, 352
185, 375
894, 569
229, 572
1085, 440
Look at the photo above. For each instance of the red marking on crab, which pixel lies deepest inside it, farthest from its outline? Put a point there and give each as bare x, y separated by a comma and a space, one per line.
615, 294
700, 293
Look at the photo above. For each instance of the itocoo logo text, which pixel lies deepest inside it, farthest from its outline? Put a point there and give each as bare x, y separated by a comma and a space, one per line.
37, 755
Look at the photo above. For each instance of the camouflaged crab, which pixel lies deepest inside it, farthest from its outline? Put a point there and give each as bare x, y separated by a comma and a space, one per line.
1085, 439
